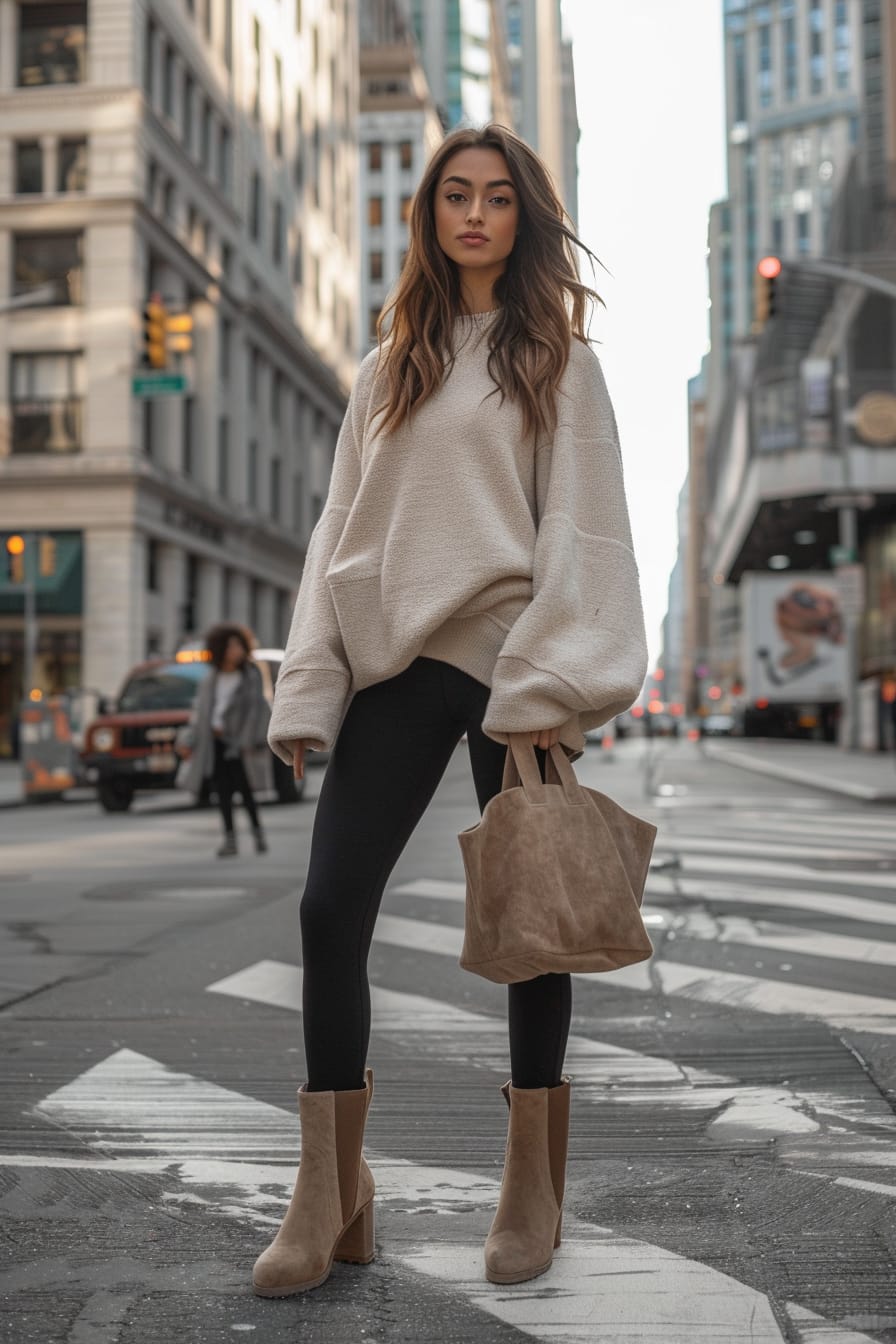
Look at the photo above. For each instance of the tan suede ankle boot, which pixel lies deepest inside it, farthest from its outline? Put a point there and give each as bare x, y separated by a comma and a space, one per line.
526, 1226
330, 1216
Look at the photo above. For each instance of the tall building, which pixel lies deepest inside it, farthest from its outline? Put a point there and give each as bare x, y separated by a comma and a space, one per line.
205, 153
542, 88
801, 450
399, 128
455, 37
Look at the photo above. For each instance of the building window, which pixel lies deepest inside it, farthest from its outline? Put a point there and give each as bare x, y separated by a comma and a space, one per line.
255, 207
375, 156
224, 457
187, 119
224, 159
277, 230
169, 201
298, 501
72, 163
252, 467
375, 211
188, 436
376, 265
52, 43
739, 48
298, 261
152, 184
276, 486
816, 46
766, 76
148, 427
149, 51
46, 398
791, 68
205, 137
227, 261
29, 167
373, 317
278, 125
405, 208
842, 43
254, 375
276, 397
153, 567
225, 349
168, 81
803, 238
53, 259
405, 155
298, 167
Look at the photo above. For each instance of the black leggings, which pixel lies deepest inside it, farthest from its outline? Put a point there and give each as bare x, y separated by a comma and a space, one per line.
389, 756
230, 777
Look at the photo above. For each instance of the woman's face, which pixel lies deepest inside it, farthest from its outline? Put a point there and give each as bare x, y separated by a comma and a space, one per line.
477, 210
234, 654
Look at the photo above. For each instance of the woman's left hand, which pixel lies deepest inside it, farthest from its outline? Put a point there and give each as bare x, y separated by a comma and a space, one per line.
546, 738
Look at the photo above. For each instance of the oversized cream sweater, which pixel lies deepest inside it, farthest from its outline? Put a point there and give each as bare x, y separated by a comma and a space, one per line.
462, 538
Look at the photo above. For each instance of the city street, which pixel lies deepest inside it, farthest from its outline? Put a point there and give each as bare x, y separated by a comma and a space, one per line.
732, 1171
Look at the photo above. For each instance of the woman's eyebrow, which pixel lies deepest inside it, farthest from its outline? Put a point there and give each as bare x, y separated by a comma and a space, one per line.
489, 186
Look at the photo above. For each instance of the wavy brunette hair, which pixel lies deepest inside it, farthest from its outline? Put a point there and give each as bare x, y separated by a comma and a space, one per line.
219, 636
542, 300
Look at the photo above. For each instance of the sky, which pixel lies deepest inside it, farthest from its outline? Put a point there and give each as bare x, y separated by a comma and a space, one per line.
649, 85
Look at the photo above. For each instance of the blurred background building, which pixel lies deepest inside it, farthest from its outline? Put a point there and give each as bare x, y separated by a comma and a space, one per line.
792, 458
206, 154
202, 211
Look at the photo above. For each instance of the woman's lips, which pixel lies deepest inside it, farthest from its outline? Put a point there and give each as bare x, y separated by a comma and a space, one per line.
472, 241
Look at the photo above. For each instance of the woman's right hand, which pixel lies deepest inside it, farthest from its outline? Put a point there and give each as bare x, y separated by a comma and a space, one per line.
298, 759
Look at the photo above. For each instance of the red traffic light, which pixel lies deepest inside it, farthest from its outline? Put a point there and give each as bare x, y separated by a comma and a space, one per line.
769, 268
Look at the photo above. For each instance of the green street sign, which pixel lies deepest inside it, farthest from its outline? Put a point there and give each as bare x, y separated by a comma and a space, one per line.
158, 384
841, 555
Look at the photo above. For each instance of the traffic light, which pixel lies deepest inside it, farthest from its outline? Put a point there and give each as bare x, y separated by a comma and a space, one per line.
155, 315
179, 328
764, 291
15, 552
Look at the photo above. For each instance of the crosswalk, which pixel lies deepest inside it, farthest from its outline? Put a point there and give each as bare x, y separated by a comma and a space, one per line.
774, 924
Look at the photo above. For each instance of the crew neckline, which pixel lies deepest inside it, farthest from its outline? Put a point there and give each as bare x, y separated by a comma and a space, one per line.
478, 319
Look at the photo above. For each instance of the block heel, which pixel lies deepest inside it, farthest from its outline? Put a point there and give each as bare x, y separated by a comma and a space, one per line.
356, 1245
559, 1230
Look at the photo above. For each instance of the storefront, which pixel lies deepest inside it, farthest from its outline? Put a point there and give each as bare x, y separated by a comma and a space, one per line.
57, 570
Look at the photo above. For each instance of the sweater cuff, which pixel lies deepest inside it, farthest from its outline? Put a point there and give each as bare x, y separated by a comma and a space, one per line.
309, 704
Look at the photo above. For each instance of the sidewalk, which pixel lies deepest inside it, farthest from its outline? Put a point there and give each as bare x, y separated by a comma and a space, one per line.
869, 776
10, 783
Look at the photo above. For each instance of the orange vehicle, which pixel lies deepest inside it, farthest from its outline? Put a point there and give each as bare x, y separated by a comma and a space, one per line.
132, 743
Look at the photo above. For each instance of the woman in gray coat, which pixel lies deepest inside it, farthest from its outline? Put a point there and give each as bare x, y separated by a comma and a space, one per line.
228, 730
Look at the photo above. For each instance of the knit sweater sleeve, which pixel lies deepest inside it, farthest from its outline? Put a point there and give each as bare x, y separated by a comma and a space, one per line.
578, 654
314, 680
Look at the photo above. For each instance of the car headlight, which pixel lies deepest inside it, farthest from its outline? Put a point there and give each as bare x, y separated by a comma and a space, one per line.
102, 739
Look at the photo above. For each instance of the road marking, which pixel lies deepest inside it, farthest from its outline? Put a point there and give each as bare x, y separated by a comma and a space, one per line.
130, 1103
711, 845
864, 909
280, 985
636, 1079
597, 1063
747, 932
746, 867
839, 1007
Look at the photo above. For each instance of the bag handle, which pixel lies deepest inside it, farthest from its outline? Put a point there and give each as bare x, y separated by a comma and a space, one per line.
521, 767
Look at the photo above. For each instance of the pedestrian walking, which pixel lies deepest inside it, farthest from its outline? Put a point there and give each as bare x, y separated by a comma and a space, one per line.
472, 572
228, 732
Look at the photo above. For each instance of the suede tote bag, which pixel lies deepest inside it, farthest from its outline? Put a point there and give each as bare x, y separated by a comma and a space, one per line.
555, 875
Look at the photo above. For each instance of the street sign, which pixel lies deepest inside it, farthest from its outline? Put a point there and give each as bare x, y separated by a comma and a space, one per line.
851, 587
159, 384
841, 555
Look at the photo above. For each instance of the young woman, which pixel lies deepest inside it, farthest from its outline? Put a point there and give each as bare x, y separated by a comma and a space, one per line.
472, 572
228, 731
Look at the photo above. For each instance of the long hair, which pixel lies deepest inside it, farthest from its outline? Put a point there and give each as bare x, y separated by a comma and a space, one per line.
542, 300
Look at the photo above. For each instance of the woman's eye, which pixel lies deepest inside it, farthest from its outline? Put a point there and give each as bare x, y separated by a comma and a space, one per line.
454, 196
500, 200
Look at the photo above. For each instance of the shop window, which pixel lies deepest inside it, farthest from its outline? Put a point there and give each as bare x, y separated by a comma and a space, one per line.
29, 167
47, 393
51, 259
52, 44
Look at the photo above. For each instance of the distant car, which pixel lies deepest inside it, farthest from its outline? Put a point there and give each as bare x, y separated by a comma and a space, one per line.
718, 725
132, 744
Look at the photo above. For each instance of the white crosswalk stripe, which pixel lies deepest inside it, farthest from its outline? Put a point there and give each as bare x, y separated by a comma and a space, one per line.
236, 1157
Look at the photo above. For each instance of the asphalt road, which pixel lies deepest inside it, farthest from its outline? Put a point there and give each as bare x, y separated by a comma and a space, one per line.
733, 1152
